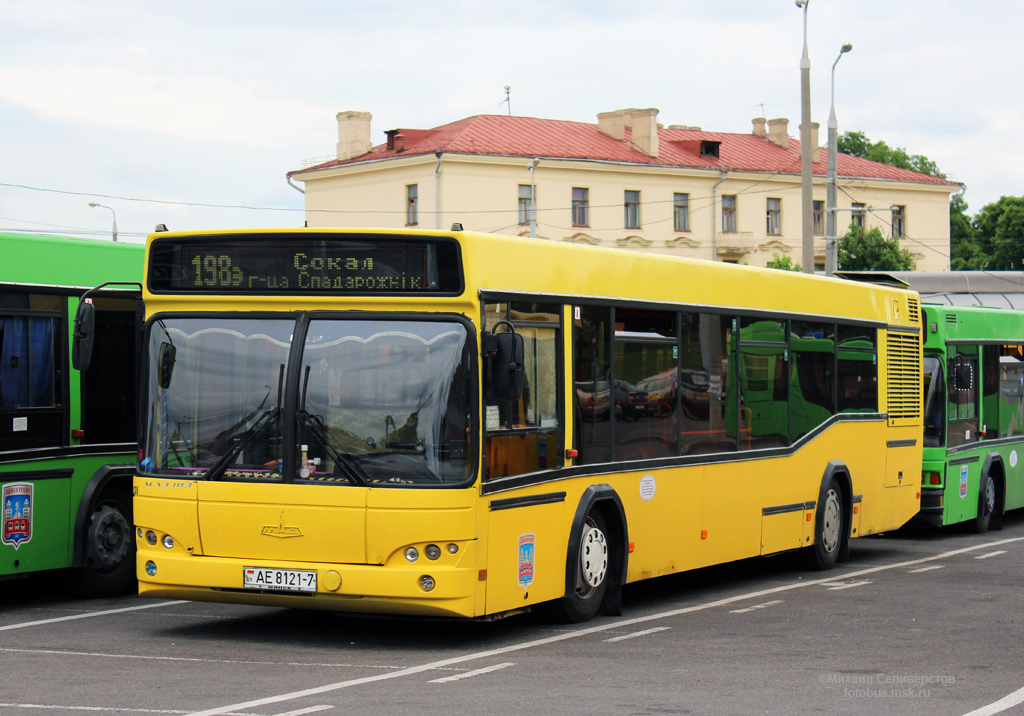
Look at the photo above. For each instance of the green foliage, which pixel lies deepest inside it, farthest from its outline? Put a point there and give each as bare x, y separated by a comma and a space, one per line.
784, 263
861, 250
858, 145
967, 251
1001, 225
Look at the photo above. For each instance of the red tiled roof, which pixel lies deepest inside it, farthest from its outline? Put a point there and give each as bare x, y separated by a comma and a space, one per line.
529, 137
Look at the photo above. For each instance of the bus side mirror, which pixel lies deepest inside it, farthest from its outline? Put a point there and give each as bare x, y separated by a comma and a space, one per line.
505, 372
85, 334
167, 354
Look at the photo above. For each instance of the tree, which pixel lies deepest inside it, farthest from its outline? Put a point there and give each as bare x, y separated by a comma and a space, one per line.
861, 250
1001, 223
967, 251
784, 263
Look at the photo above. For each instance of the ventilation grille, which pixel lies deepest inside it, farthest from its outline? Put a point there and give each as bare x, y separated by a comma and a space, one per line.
951, 318
914, 309
903, 361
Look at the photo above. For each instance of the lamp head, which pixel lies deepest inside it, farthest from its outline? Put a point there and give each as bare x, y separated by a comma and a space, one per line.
847, 46
801, 3
93, 203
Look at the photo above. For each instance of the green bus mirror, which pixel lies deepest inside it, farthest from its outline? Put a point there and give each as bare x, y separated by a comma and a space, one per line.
85, 334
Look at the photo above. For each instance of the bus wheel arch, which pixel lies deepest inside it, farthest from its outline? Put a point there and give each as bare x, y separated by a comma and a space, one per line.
991, 494
104, 552
832, 518
598, 532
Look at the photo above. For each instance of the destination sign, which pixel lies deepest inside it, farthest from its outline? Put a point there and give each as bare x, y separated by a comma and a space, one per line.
304, 263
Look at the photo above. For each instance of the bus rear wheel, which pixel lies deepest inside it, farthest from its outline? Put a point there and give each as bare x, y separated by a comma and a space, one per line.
986, 504
108, 566
828, 538
591, 573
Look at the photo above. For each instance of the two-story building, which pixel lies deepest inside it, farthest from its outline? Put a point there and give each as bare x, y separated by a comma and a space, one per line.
625, 181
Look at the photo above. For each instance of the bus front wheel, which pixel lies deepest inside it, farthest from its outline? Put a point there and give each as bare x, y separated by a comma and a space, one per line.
591, 573
108, 568
828, 537
986, 504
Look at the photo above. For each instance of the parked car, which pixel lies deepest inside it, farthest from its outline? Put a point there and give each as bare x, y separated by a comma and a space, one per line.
630, 402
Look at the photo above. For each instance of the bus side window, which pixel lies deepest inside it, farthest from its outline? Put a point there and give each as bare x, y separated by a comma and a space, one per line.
1011, 392
962, 396
524, 435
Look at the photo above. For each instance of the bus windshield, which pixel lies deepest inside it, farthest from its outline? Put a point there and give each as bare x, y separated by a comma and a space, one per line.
371, 401
935, 403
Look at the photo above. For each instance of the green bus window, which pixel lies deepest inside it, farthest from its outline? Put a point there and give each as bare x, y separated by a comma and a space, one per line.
962, 396
857, 364
646, 361
1011, 391
592, 337
990, 423
812, 376
763, 384
934, 403
705, 342
524, 436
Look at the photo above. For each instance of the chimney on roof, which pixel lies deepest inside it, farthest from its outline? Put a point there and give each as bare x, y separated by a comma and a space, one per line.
645, 130
353, 134
777, 133
643, 122
614, 123
814, 135
759, 130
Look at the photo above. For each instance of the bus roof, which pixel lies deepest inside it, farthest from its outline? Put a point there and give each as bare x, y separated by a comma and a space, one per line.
62, 261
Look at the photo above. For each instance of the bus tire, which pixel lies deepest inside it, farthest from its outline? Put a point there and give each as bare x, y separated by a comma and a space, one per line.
108, 567
986, 503
592, 573
828, 530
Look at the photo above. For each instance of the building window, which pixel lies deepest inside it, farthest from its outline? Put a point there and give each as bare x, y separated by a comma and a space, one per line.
580, 204
729, 214
819, 218
411, 198
525, 194
773, 219
858, 215
681, 212
899, 222
632, 210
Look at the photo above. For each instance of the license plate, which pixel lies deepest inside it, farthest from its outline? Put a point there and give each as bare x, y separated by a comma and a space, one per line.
286, 580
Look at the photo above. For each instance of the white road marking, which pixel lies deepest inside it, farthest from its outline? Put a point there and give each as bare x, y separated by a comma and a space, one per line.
757, 606
638, 633
101, 709
848, 585
310, 710
93, 655
991, 554
468, 674
586, 631
928, 569
1007, 702
88, 615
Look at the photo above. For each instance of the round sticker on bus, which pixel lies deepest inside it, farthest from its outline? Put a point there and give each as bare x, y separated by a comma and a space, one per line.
648, 486
1013, 458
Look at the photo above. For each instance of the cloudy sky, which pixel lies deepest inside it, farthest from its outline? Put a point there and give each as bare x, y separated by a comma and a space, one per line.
190, 113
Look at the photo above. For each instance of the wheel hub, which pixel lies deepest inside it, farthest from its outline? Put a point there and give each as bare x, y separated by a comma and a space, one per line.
110, 537
830, 522
593, 557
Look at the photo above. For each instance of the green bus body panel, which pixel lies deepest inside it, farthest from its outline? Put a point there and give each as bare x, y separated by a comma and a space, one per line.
59, 477
945, 328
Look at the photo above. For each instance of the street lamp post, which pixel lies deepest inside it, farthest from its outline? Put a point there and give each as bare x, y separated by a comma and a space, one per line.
533, 199
114, 230
831, 230
806, 195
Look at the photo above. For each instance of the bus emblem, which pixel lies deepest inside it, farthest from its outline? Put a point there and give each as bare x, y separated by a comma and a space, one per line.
963, 481
279, 530
527, 558
17, 502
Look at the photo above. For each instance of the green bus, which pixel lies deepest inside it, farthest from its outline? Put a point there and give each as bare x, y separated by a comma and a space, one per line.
67, 437
974, 415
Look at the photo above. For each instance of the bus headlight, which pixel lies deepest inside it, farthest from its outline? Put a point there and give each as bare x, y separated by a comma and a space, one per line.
151, 537
433, 551
168, 542
412, 554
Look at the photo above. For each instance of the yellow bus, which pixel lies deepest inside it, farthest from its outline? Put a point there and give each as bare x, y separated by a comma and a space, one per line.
434, 423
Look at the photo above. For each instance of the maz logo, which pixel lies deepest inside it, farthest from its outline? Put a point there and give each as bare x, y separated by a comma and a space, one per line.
279, 530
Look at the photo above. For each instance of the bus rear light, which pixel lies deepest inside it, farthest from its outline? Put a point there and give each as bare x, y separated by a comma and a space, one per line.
931, 478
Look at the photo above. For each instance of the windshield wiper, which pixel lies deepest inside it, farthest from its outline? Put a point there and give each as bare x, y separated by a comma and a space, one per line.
315, 425
221, 465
